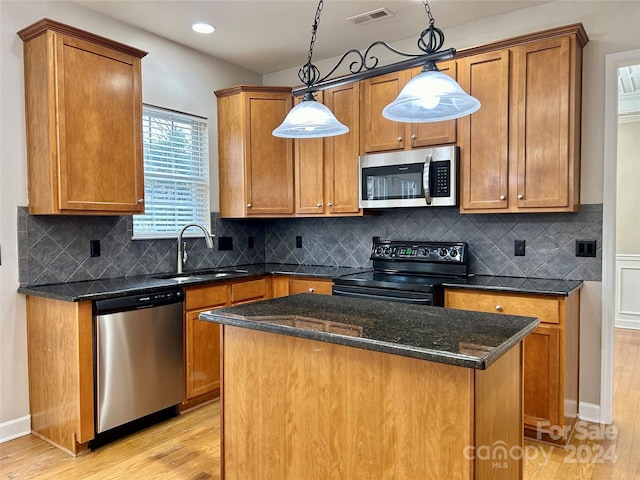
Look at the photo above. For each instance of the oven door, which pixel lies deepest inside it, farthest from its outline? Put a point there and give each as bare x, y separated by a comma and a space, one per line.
374, 293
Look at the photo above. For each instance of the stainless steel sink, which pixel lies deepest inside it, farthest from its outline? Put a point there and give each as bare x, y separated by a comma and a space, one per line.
199, 275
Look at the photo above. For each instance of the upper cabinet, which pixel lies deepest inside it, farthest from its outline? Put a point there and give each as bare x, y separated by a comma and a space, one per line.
521, 151
326, 169
378, 134
84, 122
255, 168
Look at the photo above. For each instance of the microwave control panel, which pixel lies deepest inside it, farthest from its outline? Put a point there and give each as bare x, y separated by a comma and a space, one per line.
439, 175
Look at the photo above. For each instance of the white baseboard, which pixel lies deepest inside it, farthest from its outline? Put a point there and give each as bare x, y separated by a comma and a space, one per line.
16, 428
589, 412
630, 324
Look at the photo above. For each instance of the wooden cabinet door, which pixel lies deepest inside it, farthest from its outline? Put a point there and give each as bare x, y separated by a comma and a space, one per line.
309, 172
484, 135
542, 379
377, 133
100, 123
202, 352
269, 159
341, 152
306, 285
541, 110
249, 291
434, 133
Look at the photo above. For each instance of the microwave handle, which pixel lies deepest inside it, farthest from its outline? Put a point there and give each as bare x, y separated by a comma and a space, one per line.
425, 179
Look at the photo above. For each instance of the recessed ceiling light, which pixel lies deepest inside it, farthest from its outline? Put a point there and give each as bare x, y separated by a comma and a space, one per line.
203, 28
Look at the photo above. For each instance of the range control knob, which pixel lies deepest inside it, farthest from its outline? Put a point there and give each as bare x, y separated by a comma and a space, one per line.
453, 253
424, 252
387, 251
377, 251
443, 252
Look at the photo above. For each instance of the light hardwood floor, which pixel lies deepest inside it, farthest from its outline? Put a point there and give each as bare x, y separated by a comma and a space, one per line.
187, 447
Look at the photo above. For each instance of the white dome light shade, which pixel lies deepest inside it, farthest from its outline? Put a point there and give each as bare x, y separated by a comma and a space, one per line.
310, 119
431, 96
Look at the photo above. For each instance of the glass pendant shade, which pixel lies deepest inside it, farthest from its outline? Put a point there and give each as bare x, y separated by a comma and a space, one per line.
431, 96
310, 119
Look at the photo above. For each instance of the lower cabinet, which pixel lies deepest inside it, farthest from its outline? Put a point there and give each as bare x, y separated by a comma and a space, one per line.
551, 356
283, 285
202, 339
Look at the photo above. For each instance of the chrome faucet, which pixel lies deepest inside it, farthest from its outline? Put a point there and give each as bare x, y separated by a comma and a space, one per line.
182, 250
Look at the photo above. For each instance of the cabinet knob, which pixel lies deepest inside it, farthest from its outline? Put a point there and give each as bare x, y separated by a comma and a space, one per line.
502, 197
520, 197
319, 205
141, 200
329, 204
310, 289
399, 139
499, 308
249, 205
413, 137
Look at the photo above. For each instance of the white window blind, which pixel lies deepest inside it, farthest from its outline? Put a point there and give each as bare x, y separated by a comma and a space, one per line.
176, 173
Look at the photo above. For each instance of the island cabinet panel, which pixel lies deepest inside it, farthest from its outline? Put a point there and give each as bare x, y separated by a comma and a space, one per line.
284, 285
84, 122
60, 342
255, 168
295, 408
551, 355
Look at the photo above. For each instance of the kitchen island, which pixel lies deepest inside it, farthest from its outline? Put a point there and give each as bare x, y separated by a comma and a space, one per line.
317, 387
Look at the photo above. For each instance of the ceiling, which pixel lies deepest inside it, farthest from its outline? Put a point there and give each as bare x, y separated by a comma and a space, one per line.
267, 36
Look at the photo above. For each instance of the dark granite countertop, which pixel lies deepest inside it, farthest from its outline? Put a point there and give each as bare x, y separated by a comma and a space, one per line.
538, 286
117, 287
455, 337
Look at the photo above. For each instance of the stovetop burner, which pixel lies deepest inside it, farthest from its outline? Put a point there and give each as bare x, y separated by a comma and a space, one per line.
408, 268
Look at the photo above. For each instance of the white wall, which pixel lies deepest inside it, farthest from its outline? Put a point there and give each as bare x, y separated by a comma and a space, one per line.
612, 26
173, 77
628, 193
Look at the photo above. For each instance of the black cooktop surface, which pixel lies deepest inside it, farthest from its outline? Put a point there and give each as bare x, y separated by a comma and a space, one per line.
395, 281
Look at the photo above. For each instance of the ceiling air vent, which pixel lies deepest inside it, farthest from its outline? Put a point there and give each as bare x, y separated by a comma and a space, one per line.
372, 16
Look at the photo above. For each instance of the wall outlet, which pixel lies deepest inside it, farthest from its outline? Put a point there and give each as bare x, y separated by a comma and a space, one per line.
585, 248
298, 241
94, 248
225, 243
518, 248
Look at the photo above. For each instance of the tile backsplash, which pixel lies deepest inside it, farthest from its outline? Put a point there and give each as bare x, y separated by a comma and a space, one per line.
55, 249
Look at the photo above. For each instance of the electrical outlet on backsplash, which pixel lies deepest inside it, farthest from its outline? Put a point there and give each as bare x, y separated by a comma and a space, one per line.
53, 249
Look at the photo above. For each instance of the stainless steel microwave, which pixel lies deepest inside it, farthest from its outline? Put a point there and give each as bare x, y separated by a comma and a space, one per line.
425, 177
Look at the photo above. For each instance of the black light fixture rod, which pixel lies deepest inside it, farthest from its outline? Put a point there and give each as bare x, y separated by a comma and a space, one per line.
375, 72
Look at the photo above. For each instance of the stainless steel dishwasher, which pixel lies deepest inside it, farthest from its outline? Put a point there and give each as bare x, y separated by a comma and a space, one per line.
139, 363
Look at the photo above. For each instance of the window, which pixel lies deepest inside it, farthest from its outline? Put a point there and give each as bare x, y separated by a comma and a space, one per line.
176, 173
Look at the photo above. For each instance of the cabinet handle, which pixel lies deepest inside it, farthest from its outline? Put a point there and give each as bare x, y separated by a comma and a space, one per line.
502, 197
499, 308
249, 205
310, 289
329, 204
141, 200
319, 205
399, 139
520, 197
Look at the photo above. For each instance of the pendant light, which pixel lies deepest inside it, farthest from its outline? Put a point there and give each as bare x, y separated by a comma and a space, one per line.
310, 118
431, 96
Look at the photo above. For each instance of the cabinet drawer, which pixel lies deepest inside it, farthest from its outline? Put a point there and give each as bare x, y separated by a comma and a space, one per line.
309, 286
547, 309
248, 291
206, 296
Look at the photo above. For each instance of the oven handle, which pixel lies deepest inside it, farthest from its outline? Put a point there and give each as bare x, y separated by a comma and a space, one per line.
425, 178
415, 301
